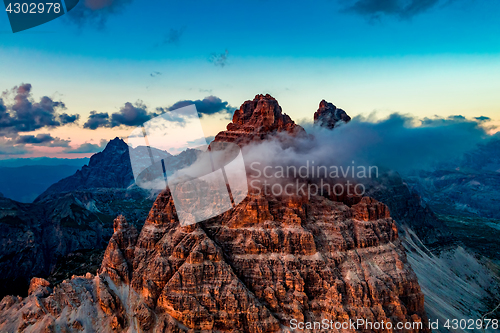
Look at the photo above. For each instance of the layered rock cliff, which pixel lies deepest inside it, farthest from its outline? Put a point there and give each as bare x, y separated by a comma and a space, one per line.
252, 269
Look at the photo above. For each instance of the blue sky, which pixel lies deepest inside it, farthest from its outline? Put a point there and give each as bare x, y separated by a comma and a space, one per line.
362, 55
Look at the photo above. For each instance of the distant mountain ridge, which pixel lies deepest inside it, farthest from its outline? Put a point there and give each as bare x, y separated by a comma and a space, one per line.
19, 162
110, 168
26, 183
472, 183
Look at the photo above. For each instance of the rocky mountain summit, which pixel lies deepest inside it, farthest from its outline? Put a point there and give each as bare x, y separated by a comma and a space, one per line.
257, 120
328, 115
268, 261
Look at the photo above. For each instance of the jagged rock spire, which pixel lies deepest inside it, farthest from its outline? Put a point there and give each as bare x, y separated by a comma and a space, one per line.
328, 115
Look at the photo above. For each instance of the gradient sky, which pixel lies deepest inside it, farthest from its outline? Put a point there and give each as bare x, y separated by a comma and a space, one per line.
419, 57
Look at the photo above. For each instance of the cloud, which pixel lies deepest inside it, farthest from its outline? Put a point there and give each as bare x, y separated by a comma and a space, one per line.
399, 142
97, 120
22, 114
208, 106
96, 12
173, 36
129, 115
41, 140
401, 8
13, 150
482, 118
87, 148
7, 147
65, 118
133, 115
219, 59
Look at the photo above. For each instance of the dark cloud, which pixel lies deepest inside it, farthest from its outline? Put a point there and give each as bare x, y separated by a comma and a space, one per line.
401, 8
65, 118
87, 148
96, 12
219, 59
482, 118
129, 115
207, 106
172, 116
5, 118
23, 144
97, 120
41, 140
137, 114
23, 114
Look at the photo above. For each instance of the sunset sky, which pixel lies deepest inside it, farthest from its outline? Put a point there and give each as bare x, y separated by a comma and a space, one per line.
426, 58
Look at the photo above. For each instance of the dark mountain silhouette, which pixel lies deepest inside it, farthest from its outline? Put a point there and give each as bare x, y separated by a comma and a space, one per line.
110, 168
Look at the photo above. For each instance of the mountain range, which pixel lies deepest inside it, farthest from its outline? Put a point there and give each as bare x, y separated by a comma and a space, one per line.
272, 259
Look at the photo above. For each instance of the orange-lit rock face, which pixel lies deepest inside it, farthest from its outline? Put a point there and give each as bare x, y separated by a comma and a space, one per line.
252, 269
269, 261
257, 119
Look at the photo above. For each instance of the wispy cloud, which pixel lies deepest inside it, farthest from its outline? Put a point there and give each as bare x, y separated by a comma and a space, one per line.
95, 12
87, 148
400, 8
219, 59
173, 36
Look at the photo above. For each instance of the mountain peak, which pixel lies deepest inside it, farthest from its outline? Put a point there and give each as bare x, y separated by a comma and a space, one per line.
109, 168
256, 119
116, 143
328, 115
